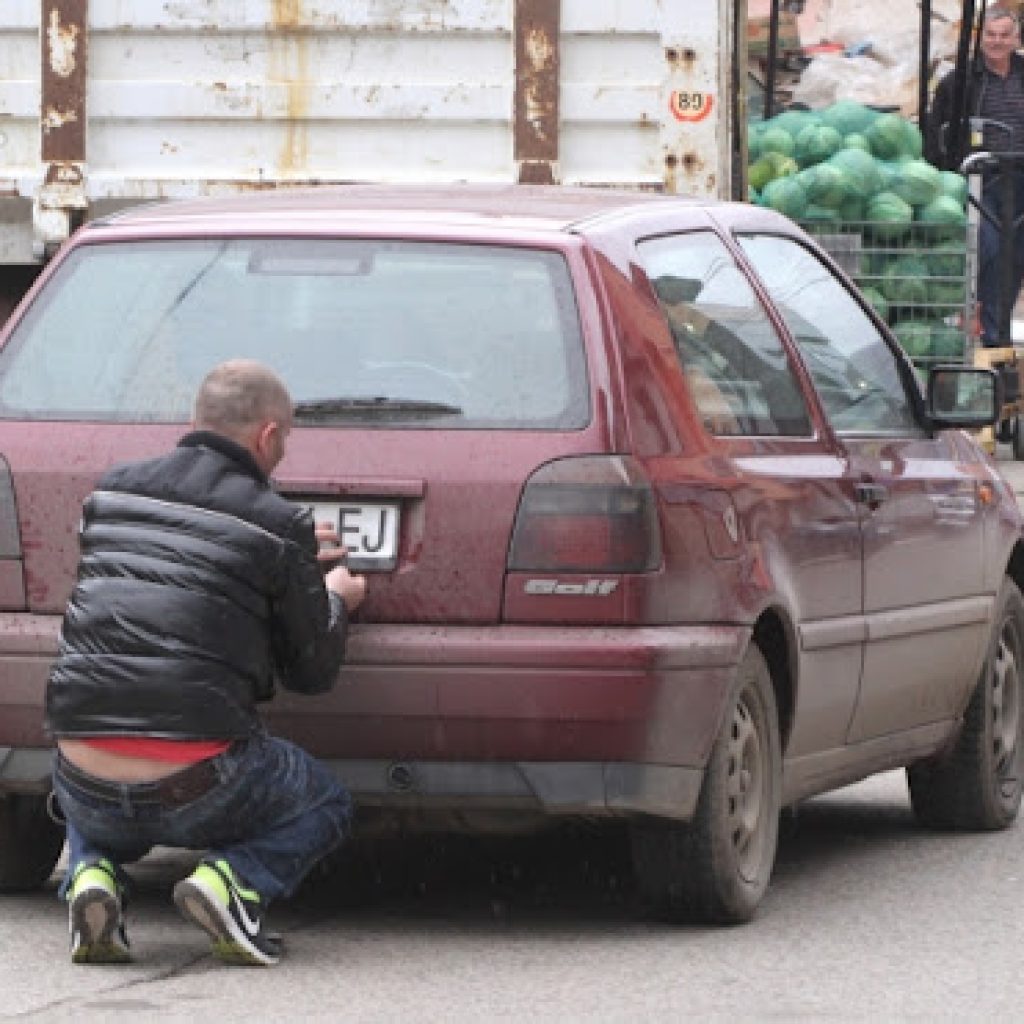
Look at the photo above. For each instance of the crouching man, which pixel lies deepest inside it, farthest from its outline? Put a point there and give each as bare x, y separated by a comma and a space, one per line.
198, 588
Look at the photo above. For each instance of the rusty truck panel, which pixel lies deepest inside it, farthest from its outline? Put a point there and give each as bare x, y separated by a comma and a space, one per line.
105, 103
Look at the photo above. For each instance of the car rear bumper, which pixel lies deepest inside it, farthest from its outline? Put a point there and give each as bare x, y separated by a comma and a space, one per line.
472, 789
564, 719
25, 769
467, 791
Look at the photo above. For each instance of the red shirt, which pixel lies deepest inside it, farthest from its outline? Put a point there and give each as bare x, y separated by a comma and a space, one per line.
175, 751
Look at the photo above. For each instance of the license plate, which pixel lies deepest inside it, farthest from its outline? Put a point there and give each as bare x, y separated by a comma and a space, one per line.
369, 529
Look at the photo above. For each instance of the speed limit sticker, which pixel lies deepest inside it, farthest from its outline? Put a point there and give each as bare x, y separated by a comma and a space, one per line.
691, 106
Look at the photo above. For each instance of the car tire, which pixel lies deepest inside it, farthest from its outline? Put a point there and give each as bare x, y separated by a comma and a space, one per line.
30, 842
715, 868
976, 784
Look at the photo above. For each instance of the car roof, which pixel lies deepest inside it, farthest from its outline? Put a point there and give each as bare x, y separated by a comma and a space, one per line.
550, 207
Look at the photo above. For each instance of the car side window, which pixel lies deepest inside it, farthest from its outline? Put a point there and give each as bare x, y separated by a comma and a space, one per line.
735, 365
853, 368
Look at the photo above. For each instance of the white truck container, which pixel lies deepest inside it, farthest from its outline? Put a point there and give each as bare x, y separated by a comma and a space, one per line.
105, 103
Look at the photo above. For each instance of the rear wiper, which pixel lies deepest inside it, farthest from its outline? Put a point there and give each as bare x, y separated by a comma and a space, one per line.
372, 406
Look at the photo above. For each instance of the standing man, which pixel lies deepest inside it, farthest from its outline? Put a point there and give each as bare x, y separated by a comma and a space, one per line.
995, 93
198, 588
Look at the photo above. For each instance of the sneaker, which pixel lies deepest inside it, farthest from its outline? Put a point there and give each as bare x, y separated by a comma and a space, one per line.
96, 902
217, 900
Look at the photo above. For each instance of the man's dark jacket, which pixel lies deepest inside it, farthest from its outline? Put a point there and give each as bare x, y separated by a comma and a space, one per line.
939, 148
198, 587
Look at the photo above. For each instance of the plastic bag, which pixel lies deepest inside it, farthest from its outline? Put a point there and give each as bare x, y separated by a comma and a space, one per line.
832, 77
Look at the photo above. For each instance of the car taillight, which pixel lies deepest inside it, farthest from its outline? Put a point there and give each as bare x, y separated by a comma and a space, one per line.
591, 513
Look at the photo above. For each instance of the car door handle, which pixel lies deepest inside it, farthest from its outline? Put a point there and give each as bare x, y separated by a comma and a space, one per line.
871, 494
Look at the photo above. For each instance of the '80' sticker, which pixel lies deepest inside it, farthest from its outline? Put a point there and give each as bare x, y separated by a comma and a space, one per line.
691, 105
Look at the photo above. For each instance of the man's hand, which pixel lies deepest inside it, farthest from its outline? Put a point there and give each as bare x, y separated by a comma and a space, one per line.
349, 587
330, 549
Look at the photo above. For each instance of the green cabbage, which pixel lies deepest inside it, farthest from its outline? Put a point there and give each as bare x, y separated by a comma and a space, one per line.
954, 185
851, 210
889, 215
855, 140
891, 136
905, 281
885, 137
917, 182
820, 219
861, 171
873, 263
915, 337
951, 294
877, 301
948, 259
947, 342
888, 172
794, 121
787, 196
784, 165
760, 172
825, 185
946, 214
913, 140
848, 117
777, 140
769, 167
816, 143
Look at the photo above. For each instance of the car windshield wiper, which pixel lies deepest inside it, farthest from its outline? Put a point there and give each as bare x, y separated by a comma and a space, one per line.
376, 405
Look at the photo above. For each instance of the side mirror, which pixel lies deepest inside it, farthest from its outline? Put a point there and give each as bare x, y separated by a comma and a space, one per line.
963, 396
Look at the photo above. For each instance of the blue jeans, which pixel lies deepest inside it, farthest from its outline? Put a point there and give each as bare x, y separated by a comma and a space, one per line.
989, 275
274, 814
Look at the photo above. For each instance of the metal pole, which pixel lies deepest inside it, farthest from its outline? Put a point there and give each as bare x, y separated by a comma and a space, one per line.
925, 61
971, 313
1006, 261
740, 114
773, 54
956, 134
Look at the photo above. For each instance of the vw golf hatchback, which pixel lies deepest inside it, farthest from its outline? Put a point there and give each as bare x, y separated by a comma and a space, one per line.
659, 522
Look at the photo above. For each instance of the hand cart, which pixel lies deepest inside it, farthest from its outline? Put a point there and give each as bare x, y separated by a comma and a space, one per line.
1005, 358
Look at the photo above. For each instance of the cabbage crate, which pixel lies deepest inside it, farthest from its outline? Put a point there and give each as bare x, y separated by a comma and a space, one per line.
921, 282
918, 279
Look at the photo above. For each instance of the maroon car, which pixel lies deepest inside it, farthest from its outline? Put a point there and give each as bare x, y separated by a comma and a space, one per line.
660, 524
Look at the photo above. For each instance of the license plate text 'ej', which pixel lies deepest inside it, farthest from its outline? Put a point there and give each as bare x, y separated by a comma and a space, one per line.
368, 529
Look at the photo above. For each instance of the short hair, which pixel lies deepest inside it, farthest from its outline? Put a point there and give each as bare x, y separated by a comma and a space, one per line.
238, 395
1000, 13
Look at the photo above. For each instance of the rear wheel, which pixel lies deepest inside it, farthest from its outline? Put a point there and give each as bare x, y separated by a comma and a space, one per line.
977, 784
715, 869
30, 842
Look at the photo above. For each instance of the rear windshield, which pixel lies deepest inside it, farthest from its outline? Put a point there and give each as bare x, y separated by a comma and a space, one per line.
380, 332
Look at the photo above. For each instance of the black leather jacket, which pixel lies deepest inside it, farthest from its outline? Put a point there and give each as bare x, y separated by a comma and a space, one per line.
198, 587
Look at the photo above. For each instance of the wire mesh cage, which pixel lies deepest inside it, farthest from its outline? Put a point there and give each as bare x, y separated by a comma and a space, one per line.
916, 277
